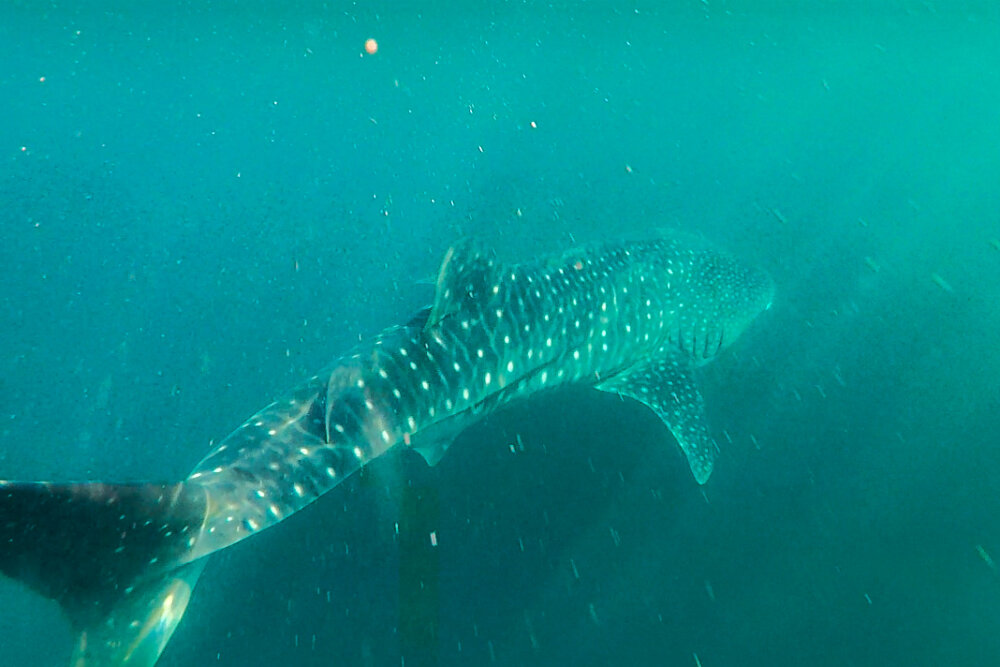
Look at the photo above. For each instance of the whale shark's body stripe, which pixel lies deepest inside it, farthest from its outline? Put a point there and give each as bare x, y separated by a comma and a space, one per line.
632, 319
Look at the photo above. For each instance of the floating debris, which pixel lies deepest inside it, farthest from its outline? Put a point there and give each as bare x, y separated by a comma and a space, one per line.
942, 283
777, 214
873, 265
593, 614
995, 243
987, 558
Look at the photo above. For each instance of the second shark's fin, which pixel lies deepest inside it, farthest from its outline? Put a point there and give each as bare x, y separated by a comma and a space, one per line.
111, 555
467, 273
666, 385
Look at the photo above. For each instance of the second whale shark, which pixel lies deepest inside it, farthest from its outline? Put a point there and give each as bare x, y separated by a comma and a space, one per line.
635, 319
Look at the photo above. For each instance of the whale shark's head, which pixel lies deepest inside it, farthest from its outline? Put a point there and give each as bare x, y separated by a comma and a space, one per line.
710, 297
731, 296
751, 292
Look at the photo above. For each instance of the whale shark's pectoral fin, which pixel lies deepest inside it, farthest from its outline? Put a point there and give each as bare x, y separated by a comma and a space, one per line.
666, 386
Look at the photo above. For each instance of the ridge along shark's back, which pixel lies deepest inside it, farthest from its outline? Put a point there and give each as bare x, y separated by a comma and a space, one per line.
633, 319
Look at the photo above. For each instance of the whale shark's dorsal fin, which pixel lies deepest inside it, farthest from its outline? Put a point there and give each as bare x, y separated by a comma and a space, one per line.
467, 273
666, 386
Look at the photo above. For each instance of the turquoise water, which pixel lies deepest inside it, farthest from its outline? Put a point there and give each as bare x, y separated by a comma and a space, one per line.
202, 204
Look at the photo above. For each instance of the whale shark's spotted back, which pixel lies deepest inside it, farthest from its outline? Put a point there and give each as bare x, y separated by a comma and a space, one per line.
633, 319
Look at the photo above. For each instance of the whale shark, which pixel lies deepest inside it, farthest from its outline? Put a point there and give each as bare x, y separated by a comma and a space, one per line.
635, 319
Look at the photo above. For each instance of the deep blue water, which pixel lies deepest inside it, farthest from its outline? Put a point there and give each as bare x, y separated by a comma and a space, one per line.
203, 203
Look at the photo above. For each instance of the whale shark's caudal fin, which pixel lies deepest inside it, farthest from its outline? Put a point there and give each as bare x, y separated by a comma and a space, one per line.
112, 556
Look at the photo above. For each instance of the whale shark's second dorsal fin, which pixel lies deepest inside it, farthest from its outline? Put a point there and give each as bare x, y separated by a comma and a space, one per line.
467, 273
666, 386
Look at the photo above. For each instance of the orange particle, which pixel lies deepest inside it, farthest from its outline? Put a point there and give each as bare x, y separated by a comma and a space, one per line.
578, 266
371, 46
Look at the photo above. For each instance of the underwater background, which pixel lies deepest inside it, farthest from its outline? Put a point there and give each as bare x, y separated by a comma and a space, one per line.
203, 203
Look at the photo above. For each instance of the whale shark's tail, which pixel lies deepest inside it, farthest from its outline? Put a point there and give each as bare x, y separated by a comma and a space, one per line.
111, 555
